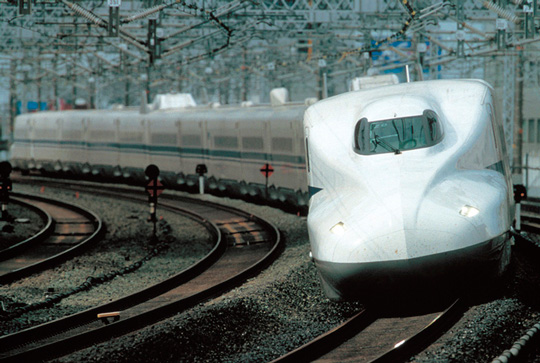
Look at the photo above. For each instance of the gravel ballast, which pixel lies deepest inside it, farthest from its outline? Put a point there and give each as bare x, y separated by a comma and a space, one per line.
269, 315
126, 242
15, 230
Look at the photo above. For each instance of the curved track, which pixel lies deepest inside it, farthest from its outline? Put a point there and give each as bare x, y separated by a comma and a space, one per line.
69, 229
530, 216
247, 245
46, 231
523, 349
369, 336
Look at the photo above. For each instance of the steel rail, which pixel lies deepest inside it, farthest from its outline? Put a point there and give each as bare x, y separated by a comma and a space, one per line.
404, 349
46, 330
136, 319
329, 340
57, 257
329, 346
524, 346
530, 216
38, 237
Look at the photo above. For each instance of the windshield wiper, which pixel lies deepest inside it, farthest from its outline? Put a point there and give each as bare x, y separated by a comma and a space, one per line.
386, 145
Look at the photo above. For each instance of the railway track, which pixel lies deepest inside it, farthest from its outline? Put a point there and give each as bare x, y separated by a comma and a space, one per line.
245, 245
370, 336
525, 348
393, 341
48, 227
530, 215
68, 230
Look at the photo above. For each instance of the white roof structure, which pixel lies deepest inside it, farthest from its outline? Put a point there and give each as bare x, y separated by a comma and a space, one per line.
359, 83
173, 100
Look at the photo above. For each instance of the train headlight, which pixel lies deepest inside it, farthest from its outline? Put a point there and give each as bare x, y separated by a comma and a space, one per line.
468, 211
338, 228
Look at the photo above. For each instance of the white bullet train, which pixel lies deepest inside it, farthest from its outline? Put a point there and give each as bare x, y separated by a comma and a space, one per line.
233, 142
406, 182
409, 184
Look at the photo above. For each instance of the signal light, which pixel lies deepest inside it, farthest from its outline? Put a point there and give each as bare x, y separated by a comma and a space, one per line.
520, 193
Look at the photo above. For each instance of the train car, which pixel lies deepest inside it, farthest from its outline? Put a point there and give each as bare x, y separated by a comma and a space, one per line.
4, 139
233, 142
409, 185
99, 141
531, 142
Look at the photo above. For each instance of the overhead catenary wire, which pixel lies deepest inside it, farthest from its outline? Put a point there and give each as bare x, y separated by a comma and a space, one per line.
367, 48
102, 23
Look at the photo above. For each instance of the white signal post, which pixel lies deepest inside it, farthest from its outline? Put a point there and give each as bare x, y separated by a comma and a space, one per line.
201, 169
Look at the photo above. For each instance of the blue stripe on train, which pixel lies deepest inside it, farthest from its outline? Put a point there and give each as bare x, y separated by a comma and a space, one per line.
172, 151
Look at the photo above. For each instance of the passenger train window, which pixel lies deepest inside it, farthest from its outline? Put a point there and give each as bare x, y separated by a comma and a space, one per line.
531, 133
252, 143
101, 135
130, 136
396, 135
282, 144
191, 140
47, 134
163, 139
433, 126
307, 156
229, 142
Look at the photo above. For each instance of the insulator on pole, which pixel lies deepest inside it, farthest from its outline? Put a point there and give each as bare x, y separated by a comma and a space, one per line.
85, 13
503, 13
144, 13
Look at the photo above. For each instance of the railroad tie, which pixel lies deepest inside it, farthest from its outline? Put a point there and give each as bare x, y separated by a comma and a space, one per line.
243, 233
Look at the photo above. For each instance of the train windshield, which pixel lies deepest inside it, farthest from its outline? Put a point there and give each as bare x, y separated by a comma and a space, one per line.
398, 134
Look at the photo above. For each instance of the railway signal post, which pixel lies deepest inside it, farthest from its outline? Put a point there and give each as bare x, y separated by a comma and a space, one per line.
5, 188
201, 169
154, 188
520, 193
267, 170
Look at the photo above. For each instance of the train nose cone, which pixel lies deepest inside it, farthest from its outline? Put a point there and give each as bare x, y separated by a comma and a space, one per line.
401, 244
396, 226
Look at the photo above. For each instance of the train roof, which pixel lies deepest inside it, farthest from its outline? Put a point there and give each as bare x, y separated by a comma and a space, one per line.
122, 112
453, 99
460, 106
400, 99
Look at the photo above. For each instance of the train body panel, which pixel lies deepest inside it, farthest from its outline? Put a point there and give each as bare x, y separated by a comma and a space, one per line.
389, 195
22, 149
287, 153
48, 148
232, 142
132, 146
194, 144
72, 144
5, 137
162, 146
102, 144
223, 149
255, 150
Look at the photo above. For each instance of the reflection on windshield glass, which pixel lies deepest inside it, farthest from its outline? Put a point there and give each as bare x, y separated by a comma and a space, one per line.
397, 135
